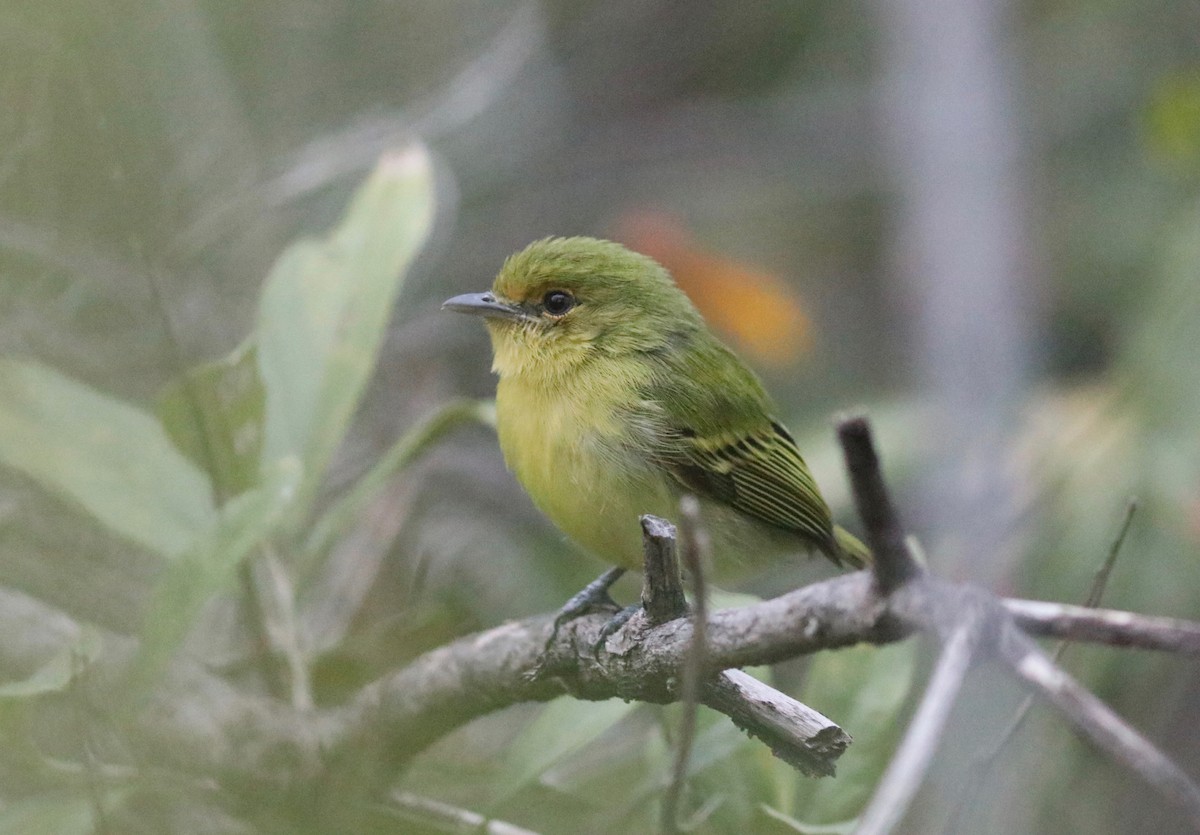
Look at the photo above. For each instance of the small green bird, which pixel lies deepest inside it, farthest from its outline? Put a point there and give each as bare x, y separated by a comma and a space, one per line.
615, 400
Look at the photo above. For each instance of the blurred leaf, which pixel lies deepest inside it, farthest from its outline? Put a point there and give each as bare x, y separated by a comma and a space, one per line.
59, 670
564, 728
415, 441
615, 775
214, 414
207, 568
867, 688
1161, 337
109, 457
325, 307
53, 813
1173, 120
717, 739
840, 828
715, 743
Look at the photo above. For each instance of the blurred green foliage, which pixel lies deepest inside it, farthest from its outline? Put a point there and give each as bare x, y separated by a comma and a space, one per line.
156, 159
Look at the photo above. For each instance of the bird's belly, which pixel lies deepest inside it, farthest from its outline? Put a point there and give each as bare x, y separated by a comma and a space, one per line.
568, 457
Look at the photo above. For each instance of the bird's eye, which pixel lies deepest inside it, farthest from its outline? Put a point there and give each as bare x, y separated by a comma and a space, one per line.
557, 302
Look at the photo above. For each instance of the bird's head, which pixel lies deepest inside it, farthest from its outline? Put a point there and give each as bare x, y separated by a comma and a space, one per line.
562, 302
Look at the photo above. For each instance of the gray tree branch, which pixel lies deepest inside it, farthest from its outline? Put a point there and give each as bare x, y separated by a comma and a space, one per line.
907, 770
1099, 724
1105, 626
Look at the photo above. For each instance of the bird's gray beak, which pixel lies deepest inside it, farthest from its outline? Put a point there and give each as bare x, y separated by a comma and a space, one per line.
483, 304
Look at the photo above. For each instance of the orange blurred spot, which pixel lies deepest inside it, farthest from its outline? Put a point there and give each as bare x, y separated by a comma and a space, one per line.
755, 309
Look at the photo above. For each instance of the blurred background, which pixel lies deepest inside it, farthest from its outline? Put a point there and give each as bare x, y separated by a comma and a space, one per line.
976, 221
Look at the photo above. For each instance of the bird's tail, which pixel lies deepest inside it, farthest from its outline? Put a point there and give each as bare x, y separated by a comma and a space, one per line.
850, 550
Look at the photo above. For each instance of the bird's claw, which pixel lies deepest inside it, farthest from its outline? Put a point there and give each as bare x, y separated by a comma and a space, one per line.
590, 598
613, 626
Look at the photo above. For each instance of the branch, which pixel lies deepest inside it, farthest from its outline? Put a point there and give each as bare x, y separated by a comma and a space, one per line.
1098, 723
797, 734
662, 591
453, 684
907, 769
256, 741
893, 563
1105, 626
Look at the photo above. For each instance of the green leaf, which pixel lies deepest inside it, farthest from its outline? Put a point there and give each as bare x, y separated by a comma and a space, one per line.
867, 688
563, 728
325, 307
214, 414
59, 670
208, 567
53, 813
415, 441
112, 459
1173, 120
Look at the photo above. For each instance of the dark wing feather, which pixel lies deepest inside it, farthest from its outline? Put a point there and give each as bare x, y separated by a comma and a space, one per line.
758, 473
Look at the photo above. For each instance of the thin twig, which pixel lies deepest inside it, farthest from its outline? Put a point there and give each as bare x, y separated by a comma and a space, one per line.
893, 564
695, 550
1099, 723
907, 769
1100, 580
277, 596
446, 818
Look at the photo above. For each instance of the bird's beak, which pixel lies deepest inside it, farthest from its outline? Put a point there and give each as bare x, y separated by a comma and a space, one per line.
483, 304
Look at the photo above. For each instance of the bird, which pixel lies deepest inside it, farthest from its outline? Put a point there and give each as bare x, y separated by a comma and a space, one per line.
615, 400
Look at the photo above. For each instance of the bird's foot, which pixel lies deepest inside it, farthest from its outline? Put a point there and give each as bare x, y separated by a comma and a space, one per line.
613, 626
592, 597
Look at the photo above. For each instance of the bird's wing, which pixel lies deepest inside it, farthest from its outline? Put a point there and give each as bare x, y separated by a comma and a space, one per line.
707, 423
759, 473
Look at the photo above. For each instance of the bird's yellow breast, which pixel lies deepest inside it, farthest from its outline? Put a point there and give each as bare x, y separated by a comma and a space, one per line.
564, 440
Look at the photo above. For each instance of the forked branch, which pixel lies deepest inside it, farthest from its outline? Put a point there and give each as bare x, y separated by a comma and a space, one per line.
974, 625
